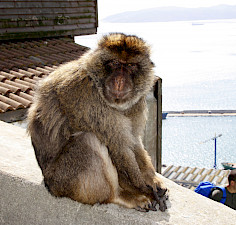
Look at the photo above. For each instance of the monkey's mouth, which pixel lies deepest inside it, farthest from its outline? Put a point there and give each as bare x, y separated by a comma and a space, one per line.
120, 94
117, 96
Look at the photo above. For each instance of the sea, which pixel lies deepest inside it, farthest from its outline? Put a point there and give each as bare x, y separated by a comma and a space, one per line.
197, 63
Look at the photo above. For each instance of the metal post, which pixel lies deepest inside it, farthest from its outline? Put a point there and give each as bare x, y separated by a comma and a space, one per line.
214, 138
215, 154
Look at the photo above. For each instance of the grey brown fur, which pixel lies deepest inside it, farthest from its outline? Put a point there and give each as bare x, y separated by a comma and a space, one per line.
86, 126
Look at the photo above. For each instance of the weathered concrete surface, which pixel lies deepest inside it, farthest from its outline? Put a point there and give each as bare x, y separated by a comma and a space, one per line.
24, 200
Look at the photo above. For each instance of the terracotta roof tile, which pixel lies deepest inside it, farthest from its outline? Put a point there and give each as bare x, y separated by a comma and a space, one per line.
29, 74
24, 63
17, 74
37, 78
11, 102
11, 88
191, 177
35, 72
30, 92
2, 78
5, 107
7, 75
30, 80
26, 84
20, 99
22, 87
4, 90
26, 96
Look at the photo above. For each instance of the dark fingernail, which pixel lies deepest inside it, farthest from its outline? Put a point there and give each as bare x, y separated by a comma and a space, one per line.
150, 187
154, 203
153, 209
141, 209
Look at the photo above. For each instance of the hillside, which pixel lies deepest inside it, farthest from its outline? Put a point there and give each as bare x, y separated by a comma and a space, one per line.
167, 14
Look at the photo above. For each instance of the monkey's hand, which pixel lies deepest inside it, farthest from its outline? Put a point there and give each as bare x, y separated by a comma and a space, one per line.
160, 194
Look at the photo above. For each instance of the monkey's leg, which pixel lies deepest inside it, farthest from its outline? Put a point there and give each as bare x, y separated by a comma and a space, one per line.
85, 173
78, 173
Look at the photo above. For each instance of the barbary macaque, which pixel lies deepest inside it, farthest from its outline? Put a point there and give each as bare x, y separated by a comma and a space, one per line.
86, 125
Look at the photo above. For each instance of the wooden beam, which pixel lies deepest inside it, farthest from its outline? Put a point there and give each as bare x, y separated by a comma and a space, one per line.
158, 96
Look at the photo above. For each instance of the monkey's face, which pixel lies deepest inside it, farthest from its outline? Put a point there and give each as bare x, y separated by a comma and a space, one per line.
118, 86
122, 69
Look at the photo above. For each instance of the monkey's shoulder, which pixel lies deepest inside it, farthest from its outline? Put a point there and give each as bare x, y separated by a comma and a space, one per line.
65, 78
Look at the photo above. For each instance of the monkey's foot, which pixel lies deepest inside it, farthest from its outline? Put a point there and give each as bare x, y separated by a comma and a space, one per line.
159, 191
139, 202
160, 195
150, 206
144, 204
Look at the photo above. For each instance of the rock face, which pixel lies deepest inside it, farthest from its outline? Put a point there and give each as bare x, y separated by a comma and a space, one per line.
24, 200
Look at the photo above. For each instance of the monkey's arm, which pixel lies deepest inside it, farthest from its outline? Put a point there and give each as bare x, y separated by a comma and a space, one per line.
120, 142
143, 158
133, 162
138, 116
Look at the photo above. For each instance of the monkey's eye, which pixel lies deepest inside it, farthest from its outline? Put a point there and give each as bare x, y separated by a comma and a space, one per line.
114, 64
132, 66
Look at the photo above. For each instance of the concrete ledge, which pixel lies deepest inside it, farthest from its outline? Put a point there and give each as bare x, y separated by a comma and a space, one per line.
24, 200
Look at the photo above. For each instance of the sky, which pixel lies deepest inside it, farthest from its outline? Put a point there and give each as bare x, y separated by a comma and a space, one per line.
108, 7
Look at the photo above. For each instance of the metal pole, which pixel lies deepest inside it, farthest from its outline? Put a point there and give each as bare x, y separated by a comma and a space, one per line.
215, 154
214, 138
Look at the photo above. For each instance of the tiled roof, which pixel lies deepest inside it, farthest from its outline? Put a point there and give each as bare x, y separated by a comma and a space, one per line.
24, 63
191, 177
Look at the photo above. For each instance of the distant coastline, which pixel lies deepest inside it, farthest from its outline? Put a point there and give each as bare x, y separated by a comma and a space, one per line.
173, 13
201, 113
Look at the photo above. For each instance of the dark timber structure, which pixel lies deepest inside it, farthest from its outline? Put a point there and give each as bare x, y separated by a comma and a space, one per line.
47, 18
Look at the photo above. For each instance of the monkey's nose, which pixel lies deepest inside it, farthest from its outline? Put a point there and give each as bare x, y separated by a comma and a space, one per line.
119, 83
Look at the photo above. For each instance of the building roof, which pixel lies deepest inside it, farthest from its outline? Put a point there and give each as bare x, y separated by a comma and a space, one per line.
190, 177
24, 63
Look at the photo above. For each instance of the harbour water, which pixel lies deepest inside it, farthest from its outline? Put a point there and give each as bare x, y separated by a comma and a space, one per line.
183, 137
187, 141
